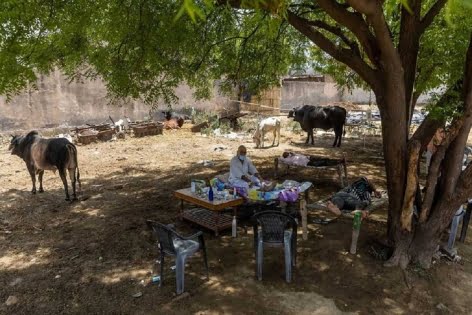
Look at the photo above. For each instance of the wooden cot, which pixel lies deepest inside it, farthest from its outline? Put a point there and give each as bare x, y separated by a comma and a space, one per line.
337, 164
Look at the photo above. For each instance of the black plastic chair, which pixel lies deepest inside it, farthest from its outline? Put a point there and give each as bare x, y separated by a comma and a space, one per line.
275, 229
173, 244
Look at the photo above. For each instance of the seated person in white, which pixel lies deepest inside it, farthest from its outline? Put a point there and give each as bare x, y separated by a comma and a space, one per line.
242, 172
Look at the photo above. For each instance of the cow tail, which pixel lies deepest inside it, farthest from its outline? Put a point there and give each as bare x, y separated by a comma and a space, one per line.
73, 151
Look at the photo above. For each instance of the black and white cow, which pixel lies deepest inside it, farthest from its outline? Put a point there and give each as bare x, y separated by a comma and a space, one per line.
42, 154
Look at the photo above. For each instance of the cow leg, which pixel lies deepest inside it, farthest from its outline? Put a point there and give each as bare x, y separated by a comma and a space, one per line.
62, 173
40, 177
335, 138
73, 180
340, 136
312, 138
278, 132
33, 178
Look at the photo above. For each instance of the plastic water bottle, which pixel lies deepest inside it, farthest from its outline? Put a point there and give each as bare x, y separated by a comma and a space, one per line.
356, 227
210, 194
233, 227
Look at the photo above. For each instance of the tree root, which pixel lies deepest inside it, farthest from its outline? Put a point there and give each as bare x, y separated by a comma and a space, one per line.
398, 259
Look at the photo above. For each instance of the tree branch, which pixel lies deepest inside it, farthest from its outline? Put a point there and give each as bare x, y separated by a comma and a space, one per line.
346, 56
355, 23
461, 139
338, 32
430, 124
431, 183
431, 14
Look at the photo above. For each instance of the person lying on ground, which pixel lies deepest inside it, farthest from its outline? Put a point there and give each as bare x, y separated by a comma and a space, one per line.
356, 196
303, 160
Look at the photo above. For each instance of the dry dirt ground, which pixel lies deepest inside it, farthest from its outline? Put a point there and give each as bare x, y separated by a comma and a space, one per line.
93, 256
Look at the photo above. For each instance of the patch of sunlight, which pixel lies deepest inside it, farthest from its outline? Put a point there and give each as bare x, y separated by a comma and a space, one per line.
348, 259
304, 303
395, 308
117, 274
19, 261
90, 211
323, 266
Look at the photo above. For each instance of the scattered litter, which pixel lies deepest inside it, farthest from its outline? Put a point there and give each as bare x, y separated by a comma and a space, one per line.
66, 136
155, 279
137, 295
172, 268
219, 148
100, 258
442, 307
11, 300
57, 276
16, 281
323, 221
231, 135
206, 163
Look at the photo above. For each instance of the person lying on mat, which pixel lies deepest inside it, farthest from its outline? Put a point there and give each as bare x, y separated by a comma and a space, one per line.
356, 196
303, 160
243, 174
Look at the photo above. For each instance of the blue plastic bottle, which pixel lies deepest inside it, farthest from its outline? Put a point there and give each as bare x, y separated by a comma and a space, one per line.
210, 194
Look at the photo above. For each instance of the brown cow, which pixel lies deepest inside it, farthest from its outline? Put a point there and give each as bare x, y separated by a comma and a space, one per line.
172, 124
47, 154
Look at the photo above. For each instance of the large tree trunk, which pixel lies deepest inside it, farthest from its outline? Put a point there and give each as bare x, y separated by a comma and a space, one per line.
449, 188
395, 137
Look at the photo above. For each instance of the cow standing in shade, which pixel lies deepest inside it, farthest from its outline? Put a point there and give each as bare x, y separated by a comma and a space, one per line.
47, 154
324, 117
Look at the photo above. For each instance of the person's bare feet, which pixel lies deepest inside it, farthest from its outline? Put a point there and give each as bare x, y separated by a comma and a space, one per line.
332, 207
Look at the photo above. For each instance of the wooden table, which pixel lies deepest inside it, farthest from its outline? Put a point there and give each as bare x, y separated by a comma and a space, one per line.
211, 216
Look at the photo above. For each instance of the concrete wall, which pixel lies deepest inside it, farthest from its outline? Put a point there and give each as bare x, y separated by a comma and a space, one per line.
297, 93
58, 103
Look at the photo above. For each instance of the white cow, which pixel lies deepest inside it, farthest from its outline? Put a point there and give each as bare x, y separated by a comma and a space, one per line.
265, 126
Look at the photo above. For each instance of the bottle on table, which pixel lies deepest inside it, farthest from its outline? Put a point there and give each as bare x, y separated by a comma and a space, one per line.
210, 194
